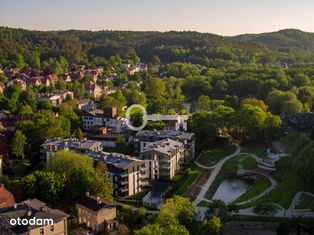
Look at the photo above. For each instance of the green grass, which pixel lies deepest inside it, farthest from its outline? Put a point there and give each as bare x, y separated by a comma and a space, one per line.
247, 161
305, 202
260, 186
138, 196
186, 182
288, 185
211, 157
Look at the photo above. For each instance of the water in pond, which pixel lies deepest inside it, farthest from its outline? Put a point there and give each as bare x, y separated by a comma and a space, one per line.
231, 189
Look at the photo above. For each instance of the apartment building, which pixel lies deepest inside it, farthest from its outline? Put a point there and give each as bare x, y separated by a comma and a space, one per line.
51, 146
162, 158
144, 137
127, 173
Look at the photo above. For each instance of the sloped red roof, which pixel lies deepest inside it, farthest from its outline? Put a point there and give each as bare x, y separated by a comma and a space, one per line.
6, 197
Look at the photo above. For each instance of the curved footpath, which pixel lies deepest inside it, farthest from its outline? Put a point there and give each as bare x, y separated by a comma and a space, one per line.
216, 168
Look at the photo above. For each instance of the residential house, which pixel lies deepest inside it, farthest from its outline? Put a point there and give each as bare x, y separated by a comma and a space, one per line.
56, 97
2, 87
92, 89
127, 173
163, 158
96, 214
6, 197
54, 221
34, 81
51, 146
18, 82
108, 136
108, 117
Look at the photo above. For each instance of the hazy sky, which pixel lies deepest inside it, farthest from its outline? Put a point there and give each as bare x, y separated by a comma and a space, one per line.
225, 17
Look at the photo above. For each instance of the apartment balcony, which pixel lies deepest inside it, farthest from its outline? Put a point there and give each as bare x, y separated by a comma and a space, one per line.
123, 182
123, 190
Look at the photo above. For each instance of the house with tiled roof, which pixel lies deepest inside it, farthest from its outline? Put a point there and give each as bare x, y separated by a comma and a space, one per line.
32, 217
96, 213
6, 197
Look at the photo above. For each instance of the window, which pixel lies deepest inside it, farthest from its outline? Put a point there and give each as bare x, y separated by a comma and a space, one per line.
41, 231
52, 228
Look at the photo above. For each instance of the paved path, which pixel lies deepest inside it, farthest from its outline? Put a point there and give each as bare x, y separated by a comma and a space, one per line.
296, 199
272, 181
216, 168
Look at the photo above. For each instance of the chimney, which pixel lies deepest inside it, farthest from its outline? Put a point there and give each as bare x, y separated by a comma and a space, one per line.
29, 212
98, 201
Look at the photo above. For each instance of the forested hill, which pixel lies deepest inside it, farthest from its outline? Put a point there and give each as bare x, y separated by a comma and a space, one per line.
288, 38
288, 46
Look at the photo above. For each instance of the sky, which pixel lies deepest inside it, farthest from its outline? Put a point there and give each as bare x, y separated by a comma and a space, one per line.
223, 17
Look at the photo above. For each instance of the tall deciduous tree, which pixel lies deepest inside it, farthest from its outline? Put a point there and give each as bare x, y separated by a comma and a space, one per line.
18, 144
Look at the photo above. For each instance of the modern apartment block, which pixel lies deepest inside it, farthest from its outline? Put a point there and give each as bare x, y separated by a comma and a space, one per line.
48, 221
162, 158
144, 137
127, 173
51, 146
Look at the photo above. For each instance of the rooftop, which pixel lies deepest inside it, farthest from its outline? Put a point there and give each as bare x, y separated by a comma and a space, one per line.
93, 203
117, 159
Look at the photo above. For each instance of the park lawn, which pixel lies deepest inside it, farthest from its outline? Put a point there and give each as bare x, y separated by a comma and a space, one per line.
247, 161
211, 157
260, 186
186, 182
288, 183
305, 202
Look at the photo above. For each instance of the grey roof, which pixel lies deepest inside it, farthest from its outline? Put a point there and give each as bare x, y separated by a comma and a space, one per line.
94, 203
72, 143
117, 159
166, 146
163, 134
29, 209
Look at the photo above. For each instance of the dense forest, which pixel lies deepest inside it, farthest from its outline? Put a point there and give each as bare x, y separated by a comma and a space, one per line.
293, 47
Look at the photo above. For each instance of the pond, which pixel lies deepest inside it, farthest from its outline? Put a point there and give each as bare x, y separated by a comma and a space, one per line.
231, 189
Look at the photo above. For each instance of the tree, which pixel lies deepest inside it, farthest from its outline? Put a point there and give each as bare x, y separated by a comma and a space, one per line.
217, 208
215, 225
26, 111
203, 102
79, 134
61, 84
265, 208
44, 105
47, 186
255, 102
33, 59
156, 229
177, 210
18, 144
154, 88
304, 163
80, 176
